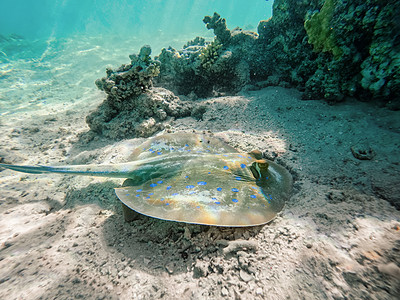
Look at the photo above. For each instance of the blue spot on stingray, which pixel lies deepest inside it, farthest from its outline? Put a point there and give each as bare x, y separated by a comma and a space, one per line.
197, 206
175, 194
150, 150
238, 178
202, 183
150, 194
219, 189
166, 203
153, 184
249, 157
160, 181
127, 194
253, 187
226, 168
186, 145
242, 166
235, 200
190, 186
138, 195
217, 202
235, 190
147, 197
162, 199
159, 153
266, 178
169, 187
213, 198
191, 192
186, 176
209, 172
189, 150
139, 190
253, 196
240, 155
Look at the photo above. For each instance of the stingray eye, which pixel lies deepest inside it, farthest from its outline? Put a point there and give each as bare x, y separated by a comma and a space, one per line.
262, 164
255, 171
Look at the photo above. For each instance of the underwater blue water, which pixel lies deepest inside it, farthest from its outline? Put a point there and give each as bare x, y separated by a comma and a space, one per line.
63, 18
52, 51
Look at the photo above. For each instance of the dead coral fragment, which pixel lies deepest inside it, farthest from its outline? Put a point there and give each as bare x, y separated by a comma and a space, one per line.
238, 245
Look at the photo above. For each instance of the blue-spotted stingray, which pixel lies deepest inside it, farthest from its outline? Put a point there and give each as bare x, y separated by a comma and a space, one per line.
193, 178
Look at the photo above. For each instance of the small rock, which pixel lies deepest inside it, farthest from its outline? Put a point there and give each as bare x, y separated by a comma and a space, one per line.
199, 270
187, 235
336, 294
390, 269
170, 267
259, 291
224, 292
362, 151
246, 277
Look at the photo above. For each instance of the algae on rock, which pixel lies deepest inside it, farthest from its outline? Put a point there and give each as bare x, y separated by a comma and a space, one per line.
320, 31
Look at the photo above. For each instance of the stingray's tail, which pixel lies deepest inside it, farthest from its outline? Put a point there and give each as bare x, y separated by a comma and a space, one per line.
88, 170
29, 169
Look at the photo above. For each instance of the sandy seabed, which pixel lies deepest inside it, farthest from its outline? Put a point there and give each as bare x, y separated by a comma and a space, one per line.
64, 237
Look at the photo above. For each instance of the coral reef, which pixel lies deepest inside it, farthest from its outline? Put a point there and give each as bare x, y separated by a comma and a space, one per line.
129, 80
139, 116
210, 54
221, 31
381, 69
132, 107
332, 49
319, 31
328, 49
203, 68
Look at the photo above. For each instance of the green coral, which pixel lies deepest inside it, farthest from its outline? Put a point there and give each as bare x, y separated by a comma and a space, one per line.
320, 32
210, 54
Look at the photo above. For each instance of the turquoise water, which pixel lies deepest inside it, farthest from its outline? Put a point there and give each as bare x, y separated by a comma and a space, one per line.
61, 18
53, 51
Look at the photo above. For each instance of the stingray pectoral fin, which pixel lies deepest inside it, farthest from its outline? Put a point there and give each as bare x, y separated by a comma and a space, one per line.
200, 209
